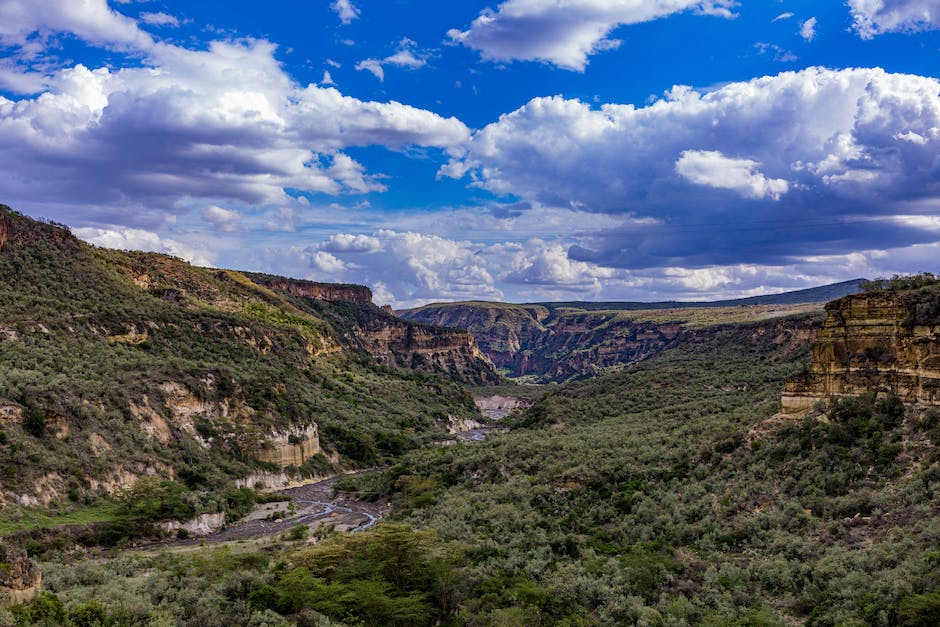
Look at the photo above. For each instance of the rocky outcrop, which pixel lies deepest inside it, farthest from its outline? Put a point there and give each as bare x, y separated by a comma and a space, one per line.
453, 352
290, 447
879, 340
389, 340
201, 525
20, 578
334, 292
497, 407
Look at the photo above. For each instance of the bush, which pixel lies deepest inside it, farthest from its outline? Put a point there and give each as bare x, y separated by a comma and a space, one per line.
922, 610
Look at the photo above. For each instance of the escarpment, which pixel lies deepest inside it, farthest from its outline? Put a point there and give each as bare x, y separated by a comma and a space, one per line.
418, 347
557, 343
333, 292
887, 340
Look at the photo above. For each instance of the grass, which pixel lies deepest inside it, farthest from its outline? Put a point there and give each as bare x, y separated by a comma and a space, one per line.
20, 519
702, 317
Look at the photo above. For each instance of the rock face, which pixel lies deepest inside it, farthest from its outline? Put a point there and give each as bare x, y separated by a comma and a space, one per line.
528, 340
497, 407
20, 578
880, 340
333, 292
201, 525
389, 340
394, 342
291, 447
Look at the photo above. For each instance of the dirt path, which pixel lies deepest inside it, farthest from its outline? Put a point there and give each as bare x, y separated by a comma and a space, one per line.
315, 505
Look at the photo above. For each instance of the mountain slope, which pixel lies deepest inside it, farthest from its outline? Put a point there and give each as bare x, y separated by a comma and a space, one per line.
115, 365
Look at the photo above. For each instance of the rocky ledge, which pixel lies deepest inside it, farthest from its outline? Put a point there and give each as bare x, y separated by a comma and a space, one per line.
333, 292
879, 340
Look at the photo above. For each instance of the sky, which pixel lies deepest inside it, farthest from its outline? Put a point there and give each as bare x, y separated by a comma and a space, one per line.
523, 150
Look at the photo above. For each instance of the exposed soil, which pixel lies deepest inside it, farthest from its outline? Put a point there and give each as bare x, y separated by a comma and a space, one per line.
315, 505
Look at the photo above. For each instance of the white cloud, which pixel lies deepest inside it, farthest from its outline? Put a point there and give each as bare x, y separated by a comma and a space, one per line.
828, 144
406, 56
346, 10
799, 125
326, 263
91, 20
225, 124
876, 17
123, 238
374, 66
224, 220
547, 267
327, 79
346, 243
159, 19
783, 16
711, 168
411, 267
567, 33
808, 29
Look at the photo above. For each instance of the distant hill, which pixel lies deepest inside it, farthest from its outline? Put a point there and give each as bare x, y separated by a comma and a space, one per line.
560, 341
821, 294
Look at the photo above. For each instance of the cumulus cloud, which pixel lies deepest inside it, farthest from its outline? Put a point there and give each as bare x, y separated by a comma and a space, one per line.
808, 29
410, 267
832, 146
406, 56
547, 266
713, 169
346, 243
346, 10
124, 238
90, 20
222, 219
221, 124
567, 33
876, 17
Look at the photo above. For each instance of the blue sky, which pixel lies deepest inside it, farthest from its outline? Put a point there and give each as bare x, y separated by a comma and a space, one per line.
519, 150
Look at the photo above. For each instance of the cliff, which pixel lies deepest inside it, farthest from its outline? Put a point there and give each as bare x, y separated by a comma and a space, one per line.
398, 343
886, 340
554, 343
334, 292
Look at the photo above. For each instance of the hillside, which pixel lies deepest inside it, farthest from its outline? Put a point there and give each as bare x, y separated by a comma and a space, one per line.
117, 365
543, 342
675, 493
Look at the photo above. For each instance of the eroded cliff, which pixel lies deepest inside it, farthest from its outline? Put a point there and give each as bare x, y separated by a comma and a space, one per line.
551, 343
334, 292
886, 340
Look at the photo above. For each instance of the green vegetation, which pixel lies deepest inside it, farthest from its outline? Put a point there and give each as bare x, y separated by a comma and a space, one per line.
18, 519
902, 283
117, 365
667, 494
